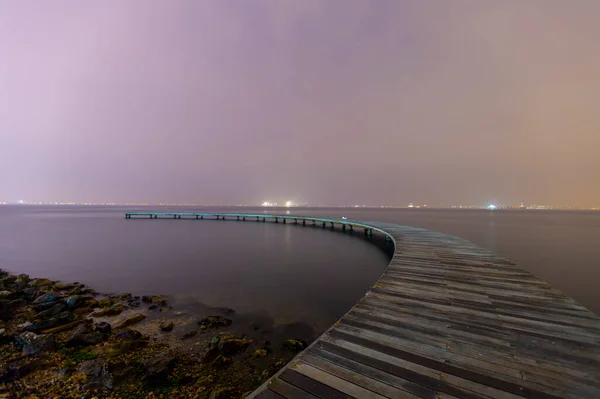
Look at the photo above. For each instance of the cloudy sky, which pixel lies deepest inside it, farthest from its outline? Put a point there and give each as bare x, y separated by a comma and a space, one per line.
325, 102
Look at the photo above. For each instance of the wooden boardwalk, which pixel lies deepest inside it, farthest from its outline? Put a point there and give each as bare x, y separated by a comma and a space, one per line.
447, 319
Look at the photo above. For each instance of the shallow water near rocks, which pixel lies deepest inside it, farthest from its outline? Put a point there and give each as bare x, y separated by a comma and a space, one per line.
271, 274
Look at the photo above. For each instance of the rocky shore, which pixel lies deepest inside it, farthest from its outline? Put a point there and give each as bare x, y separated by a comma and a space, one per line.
62, 340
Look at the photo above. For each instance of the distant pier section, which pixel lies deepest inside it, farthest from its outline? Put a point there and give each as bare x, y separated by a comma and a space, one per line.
448, 319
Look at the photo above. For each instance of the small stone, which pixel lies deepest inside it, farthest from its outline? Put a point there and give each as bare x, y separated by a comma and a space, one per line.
260, 353
34, 343
293, 345
4, 294
166, 325
133, 319
189, 334
103, 327
214, 322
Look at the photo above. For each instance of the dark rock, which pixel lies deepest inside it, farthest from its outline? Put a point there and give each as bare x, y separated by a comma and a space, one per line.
259, 353
159, 367
214, 322
189, 334
34, 343
153, 298
77, 300
125, 297
20, 284
83, 336
8, 308
222, 361
121, 374
210, 355
63, 287
223, 393
166, 325
58, 320
104, 327
153, 306
133, 319
97, 375
129, 340
30, 292
230, 345
105, 302
53, 311
293, 345
38, 307
129, 334
40, 282
19, 368
49, 296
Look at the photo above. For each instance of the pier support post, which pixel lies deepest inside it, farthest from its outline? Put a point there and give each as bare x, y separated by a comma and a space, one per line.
366, 232
276, 220
174, 216
314, 223
343, 227
201, 216
332, 225
264, 220
284, 220
197, 217
323, 224
244, 218
304, 223
350, 227
257, 218
295, 221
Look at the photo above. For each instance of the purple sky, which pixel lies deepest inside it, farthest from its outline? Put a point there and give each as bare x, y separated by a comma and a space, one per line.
314, 101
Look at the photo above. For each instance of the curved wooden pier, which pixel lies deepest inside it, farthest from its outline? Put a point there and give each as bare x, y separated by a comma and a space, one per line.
447, 319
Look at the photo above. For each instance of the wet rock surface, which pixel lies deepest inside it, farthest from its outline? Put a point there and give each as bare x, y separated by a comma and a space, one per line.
64, 340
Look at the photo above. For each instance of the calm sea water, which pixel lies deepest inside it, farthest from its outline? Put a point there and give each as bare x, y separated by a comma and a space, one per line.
292, 273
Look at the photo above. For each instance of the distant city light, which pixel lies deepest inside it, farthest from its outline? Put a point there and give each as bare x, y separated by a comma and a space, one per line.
267, 203
492, 207
288, 204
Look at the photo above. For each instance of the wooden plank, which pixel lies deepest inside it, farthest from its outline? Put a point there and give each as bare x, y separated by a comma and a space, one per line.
382, 387
347, 387
310, 385
374, 373
286, 390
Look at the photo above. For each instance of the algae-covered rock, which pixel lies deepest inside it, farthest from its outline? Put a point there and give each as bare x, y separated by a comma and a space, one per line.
214, 322
166, 325
293, 345
133, 319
